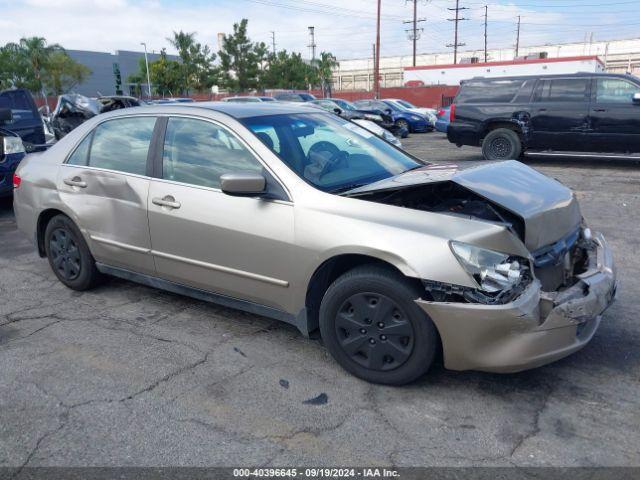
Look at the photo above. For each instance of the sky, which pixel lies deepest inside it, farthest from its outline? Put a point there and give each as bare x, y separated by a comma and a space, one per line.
343, 27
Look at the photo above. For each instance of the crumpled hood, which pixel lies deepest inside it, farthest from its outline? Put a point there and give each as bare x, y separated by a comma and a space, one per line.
548, 208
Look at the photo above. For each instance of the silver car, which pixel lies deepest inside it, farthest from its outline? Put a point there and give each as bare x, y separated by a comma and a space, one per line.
296, 214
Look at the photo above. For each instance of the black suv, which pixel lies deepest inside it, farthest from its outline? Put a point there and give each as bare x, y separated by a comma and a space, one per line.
580, 114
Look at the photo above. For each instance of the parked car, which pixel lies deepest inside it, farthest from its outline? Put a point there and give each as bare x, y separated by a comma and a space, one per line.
442, 122
430, 113
12, 152
380, 114
25, 120
379, 131
332, 106
580, 114
402, 118
294, 97
71, 111
115, 102
327, 227
249, 99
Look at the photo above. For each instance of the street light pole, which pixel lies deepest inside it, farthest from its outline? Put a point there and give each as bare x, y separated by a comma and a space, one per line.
146, 61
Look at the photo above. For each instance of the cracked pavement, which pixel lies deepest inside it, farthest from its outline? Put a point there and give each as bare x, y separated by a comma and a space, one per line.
126, 375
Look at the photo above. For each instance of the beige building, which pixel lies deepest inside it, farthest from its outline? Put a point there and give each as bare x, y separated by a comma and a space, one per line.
619, 56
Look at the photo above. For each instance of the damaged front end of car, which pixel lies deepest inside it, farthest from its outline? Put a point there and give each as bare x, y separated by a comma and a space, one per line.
518, 311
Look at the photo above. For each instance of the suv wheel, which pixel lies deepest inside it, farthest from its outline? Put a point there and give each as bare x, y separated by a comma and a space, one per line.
502, 144
372, 326
69, 255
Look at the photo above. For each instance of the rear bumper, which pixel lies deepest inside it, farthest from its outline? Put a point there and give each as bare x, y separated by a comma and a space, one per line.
535, 329
463, 134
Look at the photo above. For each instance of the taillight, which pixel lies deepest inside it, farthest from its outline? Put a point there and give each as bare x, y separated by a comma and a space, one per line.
440, 113
16, 181
452, 112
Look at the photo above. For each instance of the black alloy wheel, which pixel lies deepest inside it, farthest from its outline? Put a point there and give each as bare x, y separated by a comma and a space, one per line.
65, 254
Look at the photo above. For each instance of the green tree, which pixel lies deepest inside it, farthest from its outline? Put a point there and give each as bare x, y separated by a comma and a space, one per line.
15, 70
61, 73
324, 71
166, 75
197, 60
37, 53
286, 70
241, 60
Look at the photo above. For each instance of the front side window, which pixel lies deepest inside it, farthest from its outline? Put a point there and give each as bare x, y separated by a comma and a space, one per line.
198, 152
122, 144
563, 90
614, 90
331, 153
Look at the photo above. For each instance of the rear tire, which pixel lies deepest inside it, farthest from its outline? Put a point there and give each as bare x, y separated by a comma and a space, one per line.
401, 123
502, 144
372, 326
69, 255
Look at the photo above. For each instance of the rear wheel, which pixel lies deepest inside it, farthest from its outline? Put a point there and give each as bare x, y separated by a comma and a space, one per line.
502, 144
372, 326
69, 255
401, 123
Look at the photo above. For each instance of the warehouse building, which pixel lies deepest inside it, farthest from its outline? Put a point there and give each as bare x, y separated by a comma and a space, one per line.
617, 56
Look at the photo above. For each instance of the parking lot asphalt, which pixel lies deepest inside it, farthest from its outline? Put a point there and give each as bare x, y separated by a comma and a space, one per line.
126, 375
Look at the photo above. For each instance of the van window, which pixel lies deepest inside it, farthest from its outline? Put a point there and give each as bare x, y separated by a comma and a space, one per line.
496, 91
563, 90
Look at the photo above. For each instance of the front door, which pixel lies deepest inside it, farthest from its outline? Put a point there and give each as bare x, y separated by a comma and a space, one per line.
614, 117
204, 238
104, 183
559, 114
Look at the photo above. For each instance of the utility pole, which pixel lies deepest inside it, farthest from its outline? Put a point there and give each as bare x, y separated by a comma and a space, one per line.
146, 62
414, 33
312, 44
376, 66
457, 20
273, 41
518, 39
486, 16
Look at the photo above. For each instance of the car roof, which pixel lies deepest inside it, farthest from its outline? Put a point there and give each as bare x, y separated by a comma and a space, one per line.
557, 75
233, 109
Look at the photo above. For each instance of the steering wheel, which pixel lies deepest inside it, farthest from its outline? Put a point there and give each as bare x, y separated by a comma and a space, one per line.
324, 146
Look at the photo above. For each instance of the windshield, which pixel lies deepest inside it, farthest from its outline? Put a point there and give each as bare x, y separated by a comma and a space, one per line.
345, 105
328, 152
405, 104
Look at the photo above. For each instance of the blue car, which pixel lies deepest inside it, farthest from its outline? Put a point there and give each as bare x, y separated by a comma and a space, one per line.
11, 153
25, 120
413, 122
444, 114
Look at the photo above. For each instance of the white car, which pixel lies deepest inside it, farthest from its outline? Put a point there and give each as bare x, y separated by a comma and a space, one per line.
379, 131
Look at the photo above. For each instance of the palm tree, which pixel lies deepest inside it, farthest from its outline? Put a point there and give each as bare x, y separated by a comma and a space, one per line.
325, 66
184, 42
38, 53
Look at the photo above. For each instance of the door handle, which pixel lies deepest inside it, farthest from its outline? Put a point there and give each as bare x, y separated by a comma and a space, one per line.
75, 182
599, 109
542, 109
167, 201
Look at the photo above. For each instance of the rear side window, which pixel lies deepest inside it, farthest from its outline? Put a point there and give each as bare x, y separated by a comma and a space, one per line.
563, 90
122, 144
614, 90
498, 91
81, 153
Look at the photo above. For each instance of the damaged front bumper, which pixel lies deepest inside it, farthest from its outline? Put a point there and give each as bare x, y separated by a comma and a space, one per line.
535, 329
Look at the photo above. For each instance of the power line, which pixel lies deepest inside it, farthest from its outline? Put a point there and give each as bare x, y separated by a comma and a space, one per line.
415, 32
457, 20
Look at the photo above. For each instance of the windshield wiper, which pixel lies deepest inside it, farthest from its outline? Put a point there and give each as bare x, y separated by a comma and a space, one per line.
346, 188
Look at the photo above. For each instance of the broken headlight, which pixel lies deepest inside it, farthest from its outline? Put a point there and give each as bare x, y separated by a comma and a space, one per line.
493, 271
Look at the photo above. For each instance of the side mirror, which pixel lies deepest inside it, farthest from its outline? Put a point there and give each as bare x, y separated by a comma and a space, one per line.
242, 184
337, 111
5, 115
388, 111
636, 98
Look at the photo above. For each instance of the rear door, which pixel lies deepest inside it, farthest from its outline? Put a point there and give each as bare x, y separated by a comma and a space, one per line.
614, 117
559, 114
104, 183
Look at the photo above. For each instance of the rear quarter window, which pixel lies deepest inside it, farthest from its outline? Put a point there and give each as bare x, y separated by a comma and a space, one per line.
498, 91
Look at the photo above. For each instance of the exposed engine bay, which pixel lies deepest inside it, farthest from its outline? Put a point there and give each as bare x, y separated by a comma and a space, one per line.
556, 266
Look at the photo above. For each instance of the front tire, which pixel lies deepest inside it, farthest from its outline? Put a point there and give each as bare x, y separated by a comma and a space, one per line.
401, 123
502, 144
372, 326
69, 255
